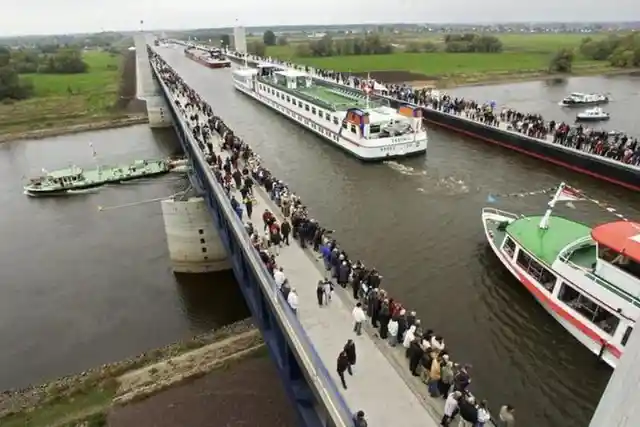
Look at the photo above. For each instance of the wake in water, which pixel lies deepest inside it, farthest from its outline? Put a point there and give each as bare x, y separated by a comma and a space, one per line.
404, 170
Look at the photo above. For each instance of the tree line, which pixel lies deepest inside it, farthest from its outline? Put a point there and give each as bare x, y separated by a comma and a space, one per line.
48, 60
620, 50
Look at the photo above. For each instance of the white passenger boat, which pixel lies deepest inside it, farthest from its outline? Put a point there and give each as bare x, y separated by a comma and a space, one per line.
368, 129
592, 115
578, 99
588, 279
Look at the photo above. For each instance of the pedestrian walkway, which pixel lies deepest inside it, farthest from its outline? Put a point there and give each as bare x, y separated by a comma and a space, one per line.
375, 387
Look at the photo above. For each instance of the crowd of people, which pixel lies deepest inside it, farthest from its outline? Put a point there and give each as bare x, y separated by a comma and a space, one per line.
238, 170
614, 145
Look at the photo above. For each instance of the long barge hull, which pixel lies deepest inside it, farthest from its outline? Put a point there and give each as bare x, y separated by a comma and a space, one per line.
608, 170
208, 64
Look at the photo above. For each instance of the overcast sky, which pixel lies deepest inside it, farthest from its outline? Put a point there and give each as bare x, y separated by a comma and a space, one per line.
72, 16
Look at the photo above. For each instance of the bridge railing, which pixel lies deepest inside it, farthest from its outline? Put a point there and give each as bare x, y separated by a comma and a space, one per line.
339, 411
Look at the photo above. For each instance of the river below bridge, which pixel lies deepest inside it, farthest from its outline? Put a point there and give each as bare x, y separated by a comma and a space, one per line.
418, 222
80, 287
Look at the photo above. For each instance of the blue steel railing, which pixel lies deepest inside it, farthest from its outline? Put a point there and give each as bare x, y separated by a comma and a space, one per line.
313, 364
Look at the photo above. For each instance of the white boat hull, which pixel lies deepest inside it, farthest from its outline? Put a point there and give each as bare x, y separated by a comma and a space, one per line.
408, 145
548, 302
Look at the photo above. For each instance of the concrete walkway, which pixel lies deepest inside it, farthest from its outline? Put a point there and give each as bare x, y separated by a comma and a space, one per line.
376, 387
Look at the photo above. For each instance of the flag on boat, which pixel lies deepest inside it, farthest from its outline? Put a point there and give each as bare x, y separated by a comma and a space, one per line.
569, 194
491, 199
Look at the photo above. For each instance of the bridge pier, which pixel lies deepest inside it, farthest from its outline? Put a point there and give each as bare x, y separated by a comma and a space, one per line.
193, 241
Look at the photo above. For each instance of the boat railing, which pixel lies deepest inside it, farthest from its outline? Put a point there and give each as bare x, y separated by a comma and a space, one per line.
314, 100
495, 211
567, 252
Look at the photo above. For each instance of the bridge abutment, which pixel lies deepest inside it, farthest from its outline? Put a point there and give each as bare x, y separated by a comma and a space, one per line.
193, 241
158, 112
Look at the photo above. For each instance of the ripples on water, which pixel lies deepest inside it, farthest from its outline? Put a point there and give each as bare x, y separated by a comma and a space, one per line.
418, 222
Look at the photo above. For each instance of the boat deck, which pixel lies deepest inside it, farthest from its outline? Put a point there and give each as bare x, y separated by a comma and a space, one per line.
547, 244
585, 257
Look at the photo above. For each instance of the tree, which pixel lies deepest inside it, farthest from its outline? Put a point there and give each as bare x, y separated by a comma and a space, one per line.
620, 51
562, 61
470, 42
225, 40
269, 38
257, 48
64, 61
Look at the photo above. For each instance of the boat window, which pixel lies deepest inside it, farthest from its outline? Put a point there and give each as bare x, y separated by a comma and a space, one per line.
509, 247
327, 117
618, 260
288, 98
536, 270
353, 128
374, 129
335, 121
626, 335
306, 107
313, 110
344, 125
588, 308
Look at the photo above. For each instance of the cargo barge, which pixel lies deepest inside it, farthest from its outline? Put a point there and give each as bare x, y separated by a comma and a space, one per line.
210, 59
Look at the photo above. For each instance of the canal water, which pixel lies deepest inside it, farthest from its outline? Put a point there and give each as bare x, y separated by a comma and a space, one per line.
542, 97
418, 222
81, 287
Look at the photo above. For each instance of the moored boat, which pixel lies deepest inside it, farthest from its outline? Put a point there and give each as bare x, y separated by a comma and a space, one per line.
578, 99
76, 178
368, 129
587, 278
592, 115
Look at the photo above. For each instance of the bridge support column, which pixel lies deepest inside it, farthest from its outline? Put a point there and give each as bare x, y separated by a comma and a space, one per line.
193, 241
158, 112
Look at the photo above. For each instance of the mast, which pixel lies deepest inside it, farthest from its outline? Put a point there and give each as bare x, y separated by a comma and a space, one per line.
368, 89
95, 158
544, 222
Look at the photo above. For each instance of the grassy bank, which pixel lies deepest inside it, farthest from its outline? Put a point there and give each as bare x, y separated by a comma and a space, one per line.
524, 57
67, 100
89, 395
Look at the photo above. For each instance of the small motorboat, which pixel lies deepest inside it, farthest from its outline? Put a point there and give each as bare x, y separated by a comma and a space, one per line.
577, 99
592, 115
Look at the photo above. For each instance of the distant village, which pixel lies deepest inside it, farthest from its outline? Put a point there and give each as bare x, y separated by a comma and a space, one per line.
504, 28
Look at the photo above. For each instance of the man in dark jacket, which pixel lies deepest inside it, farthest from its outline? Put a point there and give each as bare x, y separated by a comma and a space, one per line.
342, 366
350, 349
359, 420
285, 229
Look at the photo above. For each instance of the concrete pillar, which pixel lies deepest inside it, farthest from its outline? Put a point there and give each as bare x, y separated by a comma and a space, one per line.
193, 241
618, 405
158, 112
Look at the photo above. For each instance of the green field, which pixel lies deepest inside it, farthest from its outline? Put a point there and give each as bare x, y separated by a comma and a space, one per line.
66, 99
524, 56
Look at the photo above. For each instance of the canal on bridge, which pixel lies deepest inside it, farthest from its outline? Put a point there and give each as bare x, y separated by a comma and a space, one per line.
418, 222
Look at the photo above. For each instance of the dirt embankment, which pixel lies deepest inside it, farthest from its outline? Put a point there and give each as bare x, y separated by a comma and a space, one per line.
13, 403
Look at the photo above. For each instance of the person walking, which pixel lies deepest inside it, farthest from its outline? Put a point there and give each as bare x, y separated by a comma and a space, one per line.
343, 366
359, 420
358, 318
350, 349
285, 229
320, 292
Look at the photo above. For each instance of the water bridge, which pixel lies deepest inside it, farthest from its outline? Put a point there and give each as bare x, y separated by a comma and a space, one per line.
304, 345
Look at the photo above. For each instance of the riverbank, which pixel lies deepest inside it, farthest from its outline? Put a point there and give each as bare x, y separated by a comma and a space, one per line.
99, 124
102, 98
88, 396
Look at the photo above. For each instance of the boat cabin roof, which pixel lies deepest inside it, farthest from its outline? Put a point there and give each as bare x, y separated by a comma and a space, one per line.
291, 73
383, 114
621, 236
547, 244
62, 173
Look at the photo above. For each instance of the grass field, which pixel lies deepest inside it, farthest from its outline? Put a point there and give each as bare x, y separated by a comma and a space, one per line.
524, 55
67, 99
